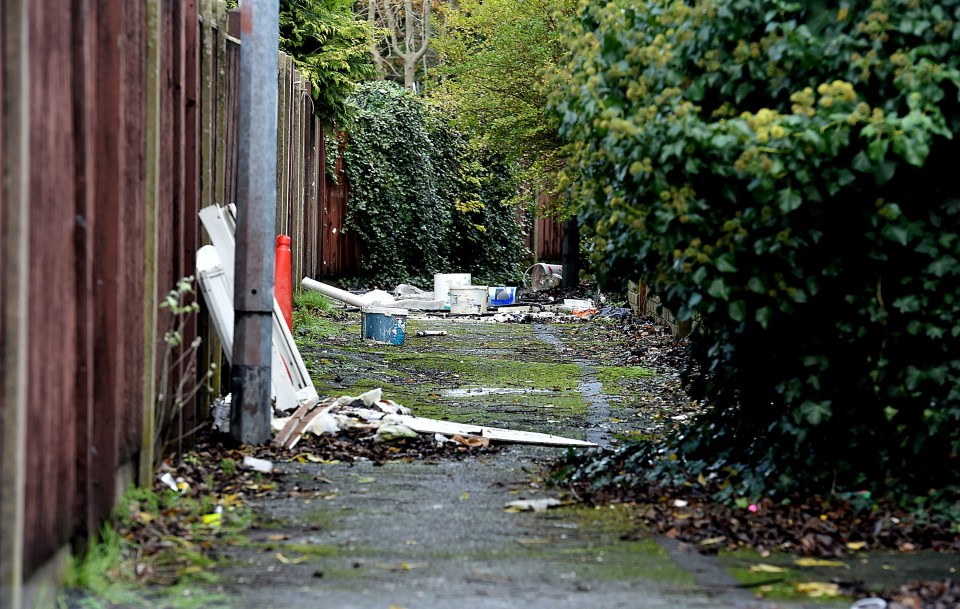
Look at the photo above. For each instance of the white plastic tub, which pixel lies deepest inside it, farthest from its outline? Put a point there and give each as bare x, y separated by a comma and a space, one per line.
442, 282
468, 299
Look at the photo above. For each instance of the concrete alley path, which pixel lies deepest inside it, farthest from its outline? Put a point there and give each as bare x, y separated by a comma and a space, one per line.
434, 534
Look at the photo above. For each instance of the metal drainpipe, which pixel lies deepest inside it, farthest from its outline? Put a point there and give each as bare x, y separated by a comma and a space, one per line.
256, 219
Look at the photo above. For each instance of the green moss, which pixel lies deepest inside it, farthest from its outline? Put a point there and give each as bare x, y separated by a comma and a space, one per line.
778, 586
617, 380
313, 549
309, 328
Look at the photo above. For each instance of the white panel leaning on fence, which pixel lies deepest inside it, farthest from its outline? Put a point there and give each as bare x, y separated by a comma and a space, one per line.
291, 383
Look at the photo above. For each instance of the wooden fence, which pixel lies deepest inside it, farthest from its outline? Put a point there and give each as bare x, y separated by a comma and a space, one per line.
119, 121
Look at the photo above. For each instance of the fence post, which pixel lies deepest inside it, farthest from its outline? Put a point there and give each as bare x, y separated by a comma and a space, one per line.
14, 274
152, 182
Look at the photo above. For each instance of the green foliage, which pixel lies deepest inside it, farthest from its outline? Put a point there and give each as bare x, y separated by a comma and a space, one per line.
785, 169
422, 199
313, 301
330, 45
493, 80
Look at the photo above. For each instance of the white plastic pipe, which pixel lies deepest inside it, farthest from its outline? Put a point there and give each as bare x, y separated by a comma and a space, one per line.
332, 292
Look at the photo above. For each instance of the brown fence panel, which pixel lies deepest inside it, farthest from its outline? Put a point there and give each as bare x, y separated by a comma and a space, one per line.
131, 143
51, 416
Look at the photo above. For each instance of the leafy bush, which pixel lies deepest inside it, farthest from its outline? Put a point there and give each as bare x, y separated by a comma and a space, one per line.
330, 45
422, 199
785, 169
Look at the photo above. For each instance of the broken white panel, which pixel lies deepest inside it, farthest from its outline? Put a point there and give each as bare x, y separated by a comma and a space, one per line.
292, 385
450, 428
283, 342
219, 298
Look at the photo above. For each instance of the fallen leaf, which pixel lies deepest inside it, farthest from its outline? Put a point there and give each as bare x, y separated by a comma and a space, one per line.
278, 537
765, 568
819, 562
212, 520
366, 480
713, 541
472, 441
817, 589
856, 545
291, 561
464, 496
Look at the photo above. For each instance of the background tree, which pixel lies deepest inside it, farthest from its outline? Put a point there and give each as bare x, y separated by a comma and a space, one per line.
496, 59
408, 29
787, 170
330, 46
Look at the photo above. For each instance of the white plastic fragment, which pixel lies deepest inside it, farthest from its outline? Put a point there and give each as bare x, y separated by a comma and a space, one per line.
535, 505
258, 465
167, 478
390, 432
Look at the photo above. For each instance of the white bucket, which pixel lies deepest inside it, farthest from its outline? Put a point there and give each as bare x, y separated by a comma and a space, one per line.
545, 276
468, 299
442, 282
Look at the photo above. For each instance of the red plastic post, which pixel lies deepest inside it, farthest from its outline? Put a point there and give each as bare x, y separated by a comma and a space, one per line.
282, 279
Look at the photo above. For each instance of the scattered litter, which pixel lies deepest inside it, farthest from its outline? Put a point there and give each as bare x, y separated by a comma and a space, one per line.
577, 304
405, 290
167, 478
869, 603
535, 505
258, 465
389, 432
482, 391
544, 276
820, 562
441, 439
501, 296
817, 589
432, 333
374, 297
291, 561
620, 313
221, 413
370, 411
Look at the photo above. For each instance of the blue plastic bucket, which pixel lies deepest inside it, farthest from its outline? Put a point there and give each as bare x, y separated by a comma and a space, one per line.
502, 296
383, 325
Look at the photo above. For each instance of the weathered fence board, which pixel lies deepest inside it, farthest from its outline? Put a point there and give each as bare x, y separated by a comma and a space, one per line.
130, 117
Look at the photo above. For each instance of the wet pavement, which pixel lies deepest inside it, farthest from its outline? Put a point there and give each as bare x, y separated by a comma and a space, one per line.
434, 534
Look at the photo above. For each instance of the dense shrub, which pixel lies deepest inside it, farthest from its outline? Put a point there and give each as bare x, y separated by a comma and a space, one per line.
422, 199
786, 170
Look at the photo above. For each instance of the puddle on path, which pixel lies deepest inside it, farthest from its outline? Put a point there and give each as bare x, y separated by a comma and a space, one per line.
598, 408
481, 391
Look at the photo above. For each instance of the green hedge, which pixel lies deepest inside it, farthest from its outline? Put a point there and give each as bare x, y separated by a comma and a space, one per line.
423, 199
787, 170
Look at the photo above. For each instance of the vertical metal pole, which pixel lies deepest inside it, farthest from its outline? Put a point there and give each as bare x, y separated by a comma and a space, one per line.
15, 276
256, 219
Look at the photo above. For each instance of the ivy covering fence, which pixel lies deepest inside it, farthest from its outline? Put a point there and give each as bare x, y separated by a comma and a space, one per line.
787, 170
424, 199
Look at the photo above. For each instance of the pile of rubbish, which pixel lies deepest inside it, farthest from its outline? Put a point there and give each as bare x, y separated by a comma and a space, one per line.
389, 421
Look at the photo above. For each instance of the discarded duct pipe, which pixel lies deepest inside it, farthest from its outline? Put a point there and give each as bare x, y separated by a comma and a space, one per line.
376, 297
